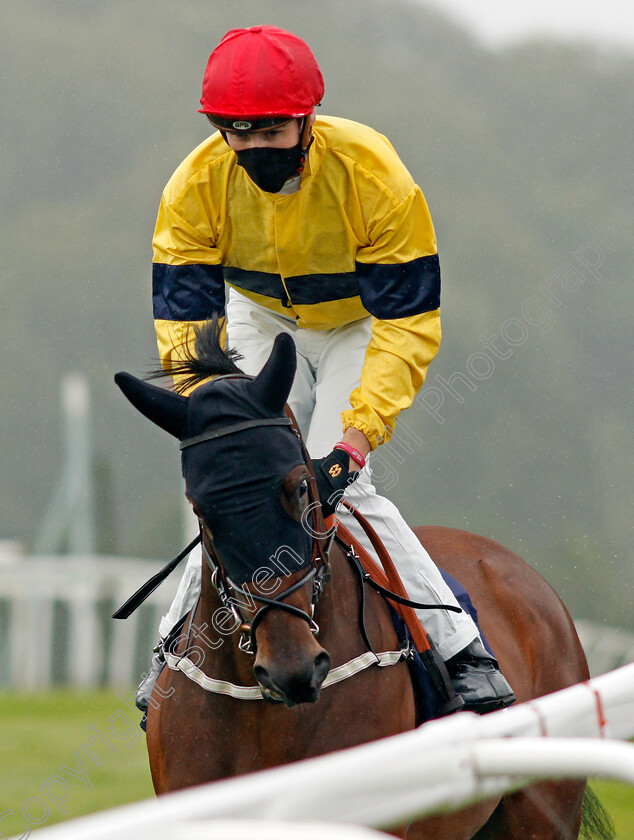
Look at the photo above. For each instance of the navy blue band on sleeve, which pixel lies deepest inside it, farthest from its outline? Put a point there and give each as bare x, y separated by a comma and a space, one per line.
305, 289
187, 292
400, 290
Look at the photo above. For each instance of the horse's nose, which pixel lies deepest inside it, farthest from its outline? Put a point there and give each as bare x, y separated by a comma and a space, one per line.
293, 686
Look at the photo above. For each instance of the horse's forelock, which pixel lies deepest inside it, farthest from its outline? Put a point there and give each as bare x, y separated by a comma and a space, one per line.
209, 358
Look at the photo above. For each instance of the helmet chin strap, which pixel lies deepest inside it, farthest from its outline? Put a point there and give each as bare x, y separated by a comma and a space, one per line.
306, 138
305, 131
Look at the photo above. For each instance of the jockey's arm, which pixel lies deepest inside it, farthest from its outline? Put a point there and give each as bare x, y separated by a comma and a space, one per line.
356, 438
399, 281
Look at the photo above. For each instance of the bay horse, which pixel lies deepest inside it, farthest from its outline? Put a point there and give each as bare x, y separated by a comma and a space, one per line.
248, 480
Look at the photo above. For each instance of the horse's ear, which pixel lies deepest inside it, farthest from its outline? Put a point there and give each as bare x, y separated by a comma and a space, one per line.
165, 408
273, 384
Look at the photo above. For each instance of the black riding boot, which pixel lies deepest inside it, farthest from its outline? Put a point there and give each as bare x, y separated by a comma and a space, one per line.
476, 677
145, 689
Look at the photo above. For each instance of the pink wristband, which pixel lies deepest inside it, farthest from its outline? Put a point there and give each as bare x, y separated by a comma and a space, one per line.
356, 456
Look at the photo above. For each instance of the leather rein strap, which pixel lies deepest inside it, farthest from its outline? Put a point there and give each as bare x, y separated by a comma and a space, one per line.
376, 577
144, 592
386, 580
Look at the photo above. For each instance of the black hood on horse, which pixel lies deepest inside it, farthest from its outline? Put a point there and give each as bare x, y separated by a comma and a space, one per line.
239, 503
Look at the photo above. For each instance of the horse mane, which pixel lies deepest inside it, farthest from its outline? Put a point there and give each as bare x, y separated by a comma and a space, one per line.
208, 358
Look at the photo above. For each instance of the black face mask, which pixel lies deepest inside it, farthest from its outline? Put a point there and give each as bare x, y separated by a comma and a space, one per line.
270, 168
238, 495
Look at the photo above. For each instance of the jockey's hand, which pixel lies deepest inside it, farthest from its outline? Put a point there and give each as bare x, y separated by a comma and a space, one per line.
333, 477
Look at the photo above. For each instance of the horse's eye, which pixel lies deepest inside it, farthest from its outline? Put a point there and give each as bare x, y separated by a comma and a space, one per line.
303, 488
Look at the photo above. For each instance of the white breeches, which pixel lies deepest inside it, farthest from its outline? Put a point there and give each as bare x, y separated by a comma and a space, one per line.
328, 369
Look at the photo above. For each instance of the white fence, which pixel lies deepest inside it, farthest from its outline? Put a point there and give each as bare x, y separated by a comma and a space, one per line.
605, 647
56, 626
439, 767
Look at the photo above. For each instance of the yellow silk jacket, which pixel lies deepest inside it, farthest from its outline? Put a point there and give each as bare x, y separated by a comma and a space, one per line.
355, 241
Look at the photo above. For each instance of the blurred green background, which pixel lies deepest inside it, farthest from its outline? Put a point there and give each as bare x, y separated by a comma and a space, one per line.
524, 155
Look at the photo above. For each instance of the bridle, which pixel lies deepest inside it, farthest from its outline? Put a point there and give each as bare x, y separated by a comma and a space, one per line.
318, 573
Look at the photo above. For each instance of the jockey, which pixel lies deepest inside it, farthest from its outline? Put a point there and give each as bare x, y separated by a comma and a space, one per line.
284, 222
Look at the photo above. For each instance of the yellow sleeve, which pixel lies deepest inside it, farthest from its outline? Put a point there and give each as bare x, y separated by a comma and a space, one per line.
394, 370
187, 283
399, 282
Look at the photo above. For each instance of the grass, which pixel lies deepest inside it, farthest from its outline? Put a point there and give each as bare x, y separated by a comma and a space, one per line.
618, 799
96, 737
41, 733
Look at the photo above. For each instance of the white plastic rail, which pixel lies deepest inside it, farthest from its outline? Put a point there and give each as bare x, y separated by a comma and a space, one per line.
438, 767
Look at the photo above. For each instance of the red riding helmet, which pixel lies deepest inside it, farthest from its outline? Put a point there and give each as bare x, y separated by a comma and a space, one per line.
261, 72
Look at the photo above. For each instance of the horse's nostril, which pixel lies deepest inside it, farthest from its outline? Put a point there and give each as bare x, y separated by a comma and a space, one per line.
262, 675
321, 668
270, 691
299, 685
